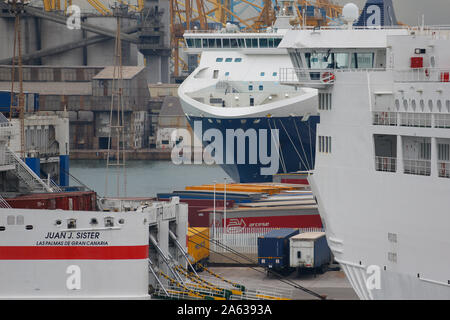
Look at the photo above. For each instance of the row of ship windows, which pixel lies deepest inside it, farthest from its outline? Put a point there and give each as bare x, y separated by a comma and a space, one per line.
233, 43
71, 223
227, 73
325, 103
421, 103
229, 59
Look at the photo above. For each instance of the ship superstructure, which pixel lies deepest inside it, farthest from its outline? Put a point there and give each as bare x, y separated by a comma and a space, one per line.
235, 86
382, 169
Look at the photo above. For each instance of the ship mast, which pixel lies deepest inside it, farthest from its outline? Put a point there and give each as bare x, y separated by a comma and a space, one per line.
118, 124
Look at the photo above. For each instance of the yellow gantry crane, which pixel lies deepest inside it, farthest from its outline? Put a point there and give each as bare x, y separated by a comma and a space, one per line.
260, 14
55, 5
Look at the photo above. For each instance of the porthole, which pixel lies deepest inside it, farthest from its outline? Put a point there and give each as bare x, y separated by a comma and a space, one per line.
2, 228
94, 221
109, 222
71, 224
121, 221
29, 227
58, 222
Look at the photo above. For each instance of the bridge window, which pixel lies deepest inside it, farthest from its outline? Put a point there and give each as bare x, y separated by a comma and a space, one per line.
362, 60
277, 42
234, 43
211, 43
241, 43
189, 43
326, 60
263, 43
198, 43
226, 43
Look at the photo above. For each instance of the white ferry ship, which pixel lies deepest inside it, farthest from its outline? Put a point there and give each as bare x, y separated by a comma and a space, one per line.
382, 170
55, 254
236, 86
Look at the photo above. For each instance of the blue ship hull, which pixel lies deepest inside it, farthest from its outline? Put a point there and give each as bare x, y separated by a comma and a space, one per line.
296, 146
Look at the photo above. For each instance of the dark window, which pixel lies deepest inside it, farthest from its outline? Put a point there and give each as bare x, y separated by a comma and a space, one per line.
219, 59
263, 43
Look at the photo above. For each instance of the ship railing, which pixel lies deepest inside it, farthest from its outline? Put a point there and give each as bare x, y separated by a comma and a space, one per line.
24, 173
316, 78
53, 185
5, 127
444, 169
422, 75
385, 118
385, 164
417, 167
414, 119
442, 120
4, 204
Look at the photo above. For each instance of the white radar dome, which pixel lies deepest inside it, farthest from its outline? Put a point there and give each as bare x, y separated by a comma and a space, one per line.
350, 12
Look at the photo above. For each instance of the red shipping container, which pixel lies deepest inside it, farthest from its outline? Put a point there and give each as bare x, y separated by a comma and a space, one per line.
416, 62
445, 76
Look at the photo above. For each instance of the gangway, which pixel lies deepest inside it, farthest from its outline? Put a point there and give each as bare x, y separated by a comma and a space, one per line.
167, 259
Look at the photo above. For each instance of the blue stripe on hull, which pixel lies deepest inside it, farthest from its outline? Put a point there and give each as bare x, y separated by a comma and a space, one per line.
297, 144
